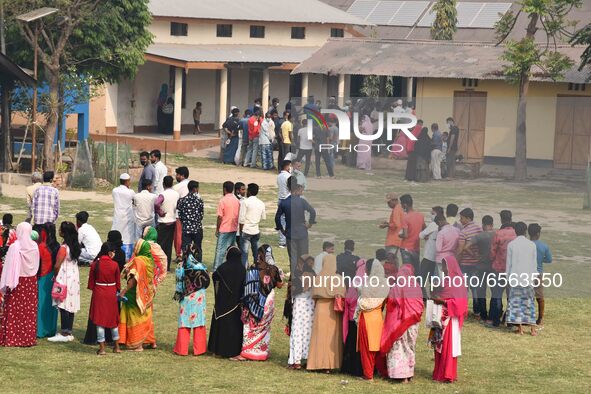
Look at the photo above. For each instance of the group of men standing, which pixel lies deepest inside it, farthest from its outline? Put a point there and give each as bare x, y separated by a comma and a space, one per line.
485, 255
175, 210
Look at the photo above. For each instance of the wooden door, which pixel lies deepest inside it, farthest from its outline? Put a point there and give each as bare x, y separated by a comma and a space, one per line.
573, 132
470, 117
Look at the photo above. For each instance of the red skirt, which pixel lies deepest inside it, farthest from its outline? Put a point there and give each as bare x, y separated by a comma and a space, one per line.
19, 321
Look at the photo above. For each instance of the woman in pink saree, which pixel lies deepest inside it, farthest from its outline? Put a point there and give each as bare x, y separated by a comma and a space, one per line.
364, 146
351, 357
401, 327
447, 341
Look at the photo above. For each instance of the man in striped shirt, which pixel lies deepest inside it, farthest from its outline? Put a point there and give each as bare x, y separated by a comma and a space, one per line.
467, 254
45, 207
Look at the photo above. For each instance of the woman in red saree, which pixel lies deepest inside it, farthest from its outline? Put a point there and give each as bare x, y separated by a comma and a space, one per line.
18, 283
447, 341
404, 309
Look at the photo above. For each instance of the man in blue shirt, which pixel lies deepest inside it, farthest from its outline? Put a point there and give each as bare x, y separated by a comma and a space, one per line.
244, 127
544, 256
296, 228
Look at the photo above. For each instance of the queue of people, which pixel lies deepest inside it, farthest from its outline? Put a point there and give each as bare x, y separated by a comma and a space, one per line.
343, 313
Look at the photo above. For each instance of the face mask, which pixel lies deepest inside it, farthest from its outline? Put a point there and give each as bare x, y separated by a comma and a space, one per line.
433, 216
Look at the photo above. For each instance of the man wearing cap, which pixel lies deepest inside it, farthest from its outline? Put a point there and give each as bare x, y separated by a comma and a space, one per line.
123, 217
395, 225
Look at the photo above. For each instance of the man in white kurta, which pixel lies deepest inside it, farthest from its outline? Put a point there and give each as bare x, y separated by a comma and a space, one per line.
123, 217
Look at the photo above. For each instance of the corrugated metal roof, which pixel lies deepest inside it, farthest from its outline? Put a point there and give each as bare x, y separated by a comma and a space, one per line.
300, 11
232, 53
430, 59
10, 71
581, 15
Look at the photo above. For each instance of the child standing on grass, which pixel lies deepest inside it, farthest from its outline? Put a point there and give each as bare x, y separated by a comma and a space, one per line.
544, 256
197, 117
67, 274
104, 282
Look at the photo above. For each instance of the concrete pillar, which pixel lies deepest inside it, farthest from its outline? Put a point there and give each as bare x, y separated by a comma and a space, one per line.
178, 102
341, 94
223, 104
409, 84
265, 90
305, 80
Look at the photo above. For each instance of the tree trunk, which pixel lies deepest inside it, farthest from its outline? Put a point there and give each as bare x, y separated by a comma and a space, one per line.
587, 202
520, 132
521, 129
52, 119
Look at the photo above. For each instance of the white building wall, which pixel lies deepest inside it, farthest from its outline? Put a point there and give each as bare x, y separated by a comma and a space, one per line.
201, 86
317, 87
111, 105
279, 86
204, 32
147, 87
239, 88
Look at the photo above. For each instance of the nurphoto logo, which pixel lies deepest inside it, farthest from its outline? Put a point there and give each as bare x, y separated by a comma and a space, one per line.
403, 122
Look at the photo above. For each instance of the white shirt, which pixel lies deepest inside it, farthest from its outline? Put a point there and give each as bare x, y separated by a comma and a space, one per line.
161, 171
522, 261
143, 207
430, 248
318, 262
88, 236
282, 184
305, 143
181, 188
171, 197
123, 219
252, 211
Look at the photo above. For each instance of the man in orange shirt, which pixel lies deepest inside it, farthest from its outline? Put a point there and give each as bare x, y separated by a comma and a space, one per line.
395, 225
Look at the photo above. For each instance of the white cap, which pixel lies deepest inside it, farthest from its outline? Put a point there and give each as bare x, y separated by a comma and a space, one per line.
290, 156
232, 108
124, 177
399, 102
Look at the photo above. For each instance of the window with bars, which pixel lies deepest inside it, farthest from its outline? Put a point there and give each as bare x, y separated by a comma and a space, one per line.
470, 83
179, 29
257, 31
337, 33
298, 33
224, 30
577, 87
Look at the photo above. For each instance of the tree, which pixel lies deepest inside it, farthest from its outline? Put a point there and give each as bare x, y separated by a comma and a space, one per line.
583, 37
446, 20
104, 40
523, 57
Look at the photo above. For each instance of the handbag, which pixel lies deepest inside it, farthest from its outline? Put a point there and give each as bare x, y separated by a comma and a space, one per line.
433, 315
59, 292
339, 304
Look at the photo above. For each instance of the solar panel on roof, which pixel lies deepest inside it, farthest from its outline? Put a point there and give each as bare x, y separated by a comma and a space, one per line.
467, 12
362, 8
408, 13
384, 11
490, 14
428, 18
476, 15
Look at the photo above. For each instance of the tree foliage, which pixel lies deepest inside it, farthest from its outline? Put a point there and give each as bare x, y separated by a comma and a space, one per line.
446, 20
102, 40
583, 37
536, 53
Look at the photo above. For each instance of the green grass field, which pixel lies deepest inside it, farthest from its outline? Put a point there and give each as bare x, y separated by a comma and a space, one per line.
350, 207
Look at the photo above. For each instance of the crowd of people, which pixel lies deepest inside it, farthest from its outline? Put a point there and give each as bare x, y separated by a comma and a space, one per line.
334, 321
